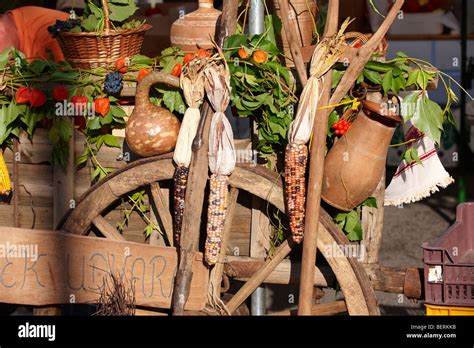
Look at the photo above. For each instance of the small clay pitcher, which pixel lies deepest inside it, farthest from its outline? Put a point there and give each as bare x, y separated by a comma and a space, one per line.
196, 29
151, 130
355, 164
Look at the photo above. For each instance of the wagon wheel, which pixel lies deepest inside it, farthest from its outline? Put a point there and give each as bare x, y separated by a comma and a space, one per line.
359, 295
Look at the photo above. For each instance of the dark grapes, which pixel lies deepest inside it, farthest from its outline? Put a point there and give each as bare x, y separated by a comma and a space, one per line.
60, 26
113, 83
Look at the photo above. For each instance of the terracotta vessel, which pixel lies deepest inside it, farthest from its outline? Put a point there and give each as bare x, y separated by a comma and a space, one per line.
303, 16
151, 130
196, 29
354, 165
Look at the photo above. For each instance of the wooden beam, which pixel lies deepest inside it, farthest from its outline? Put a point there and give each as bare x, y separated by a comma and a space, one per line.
107, 230
372, 225
283, 250
319, 309
197, 179
316, 168
292, 36
407, 281
287, 272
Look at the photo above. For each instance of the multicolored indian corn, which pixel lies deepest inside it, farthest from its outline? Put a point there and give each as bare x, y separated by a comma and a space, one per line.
180, 180
296, 158
216, 212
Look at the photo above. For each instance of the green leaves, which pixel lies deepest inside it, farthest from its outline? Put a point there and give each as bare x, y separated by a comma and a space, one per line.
350, 225
121, 10
411, 155
425, 114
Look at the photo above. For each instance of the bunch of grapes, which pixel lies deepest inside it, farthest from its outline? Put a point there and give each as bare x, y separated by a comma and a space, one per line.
60, 26
113, 83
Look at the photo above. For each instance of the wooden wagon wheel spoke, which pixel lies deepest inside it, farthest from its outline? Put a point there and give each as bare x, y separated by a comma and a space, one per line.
215, 278
257, 181
107, 230
157, 203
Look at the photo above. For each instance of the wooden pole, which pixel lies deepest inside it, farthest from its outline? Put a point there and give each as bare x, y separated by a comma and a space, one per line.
197, 179
316, 169
292, 36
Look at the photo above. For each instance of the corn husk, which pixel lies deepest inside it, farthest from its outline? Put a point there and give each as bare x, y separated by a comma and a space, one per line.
192, 84
326, 54
222, 156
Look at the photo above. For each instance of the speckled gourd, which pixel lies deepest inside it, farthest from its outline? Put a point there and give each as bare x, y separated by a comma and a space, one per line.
151, 130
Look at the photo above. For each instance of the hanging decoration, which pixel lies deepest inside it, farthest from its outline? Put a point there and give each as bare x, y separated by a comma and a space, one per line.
326, 54
192, 85
419, 179
222, 156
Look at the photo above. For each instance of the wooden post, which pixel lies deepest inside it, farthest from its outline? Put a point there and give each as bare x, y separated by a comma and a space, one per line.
372, 225
63, 194
316, 169
63, 187
292, 36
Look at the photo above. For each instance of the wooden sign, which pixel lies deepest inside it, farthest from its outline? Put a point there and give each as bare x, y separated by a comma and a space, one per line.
49, 267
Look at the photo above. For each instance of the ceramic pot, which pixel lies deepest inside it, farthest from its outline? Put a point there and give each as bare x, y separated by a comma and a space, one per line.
356, 162
196, 29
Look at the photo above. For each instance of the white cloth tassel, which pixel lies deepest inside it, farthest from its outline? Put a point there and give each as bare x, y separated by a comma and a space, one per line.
222, 157
189, 126
412, 183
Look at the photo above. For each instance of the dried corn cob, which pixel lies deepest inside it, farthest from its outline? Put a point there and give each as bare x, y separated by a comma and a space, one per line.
180, 180
215, 216
5, 184
296, 157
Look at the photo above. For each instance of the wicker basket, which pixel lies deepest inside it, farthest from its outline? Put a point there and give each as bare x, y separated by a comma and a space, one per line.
90, 50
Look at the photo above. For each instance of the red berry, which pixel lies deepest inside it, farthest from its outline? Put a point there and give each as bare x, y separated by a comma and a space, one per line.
120, 65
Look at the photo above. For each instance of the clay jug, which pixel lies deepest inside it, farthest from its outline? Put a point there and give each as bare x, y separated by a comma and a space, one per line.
196, 29
151, 130
355, 164
303, 16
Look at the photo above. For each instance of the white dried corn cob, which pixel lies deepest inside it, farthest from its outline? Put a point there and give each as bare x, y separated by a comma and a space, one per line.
216, 212
296, 158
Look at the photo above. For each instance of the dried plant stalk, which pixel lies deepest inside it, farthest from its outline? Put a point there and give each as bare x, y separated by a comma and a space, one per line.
117, 297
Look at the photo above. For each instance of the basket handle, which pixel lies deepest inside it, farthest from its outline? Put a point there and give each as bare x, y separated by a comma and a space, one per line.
105, 5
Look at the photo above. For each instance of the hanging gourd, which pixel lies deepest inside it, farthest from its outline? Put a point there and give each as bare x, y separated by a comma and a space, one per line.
151, 130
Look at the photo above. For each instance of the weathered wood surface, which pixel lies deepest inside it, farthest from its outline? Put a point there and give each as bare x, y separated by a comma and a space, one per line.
372, 224
287, 272
315, 179
407, 281
319, 309
71, 268
351, 276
